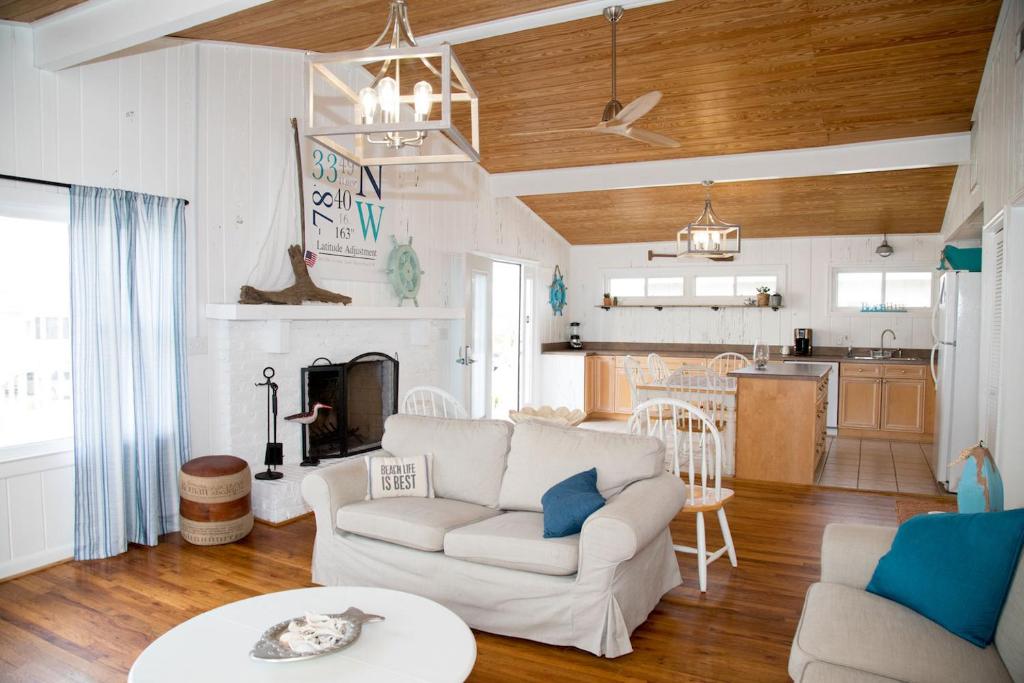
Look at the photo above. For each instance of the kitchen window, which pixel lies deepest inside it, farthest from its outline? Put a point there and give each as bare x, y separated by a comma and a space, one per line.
694, 285
35, 312
854, 288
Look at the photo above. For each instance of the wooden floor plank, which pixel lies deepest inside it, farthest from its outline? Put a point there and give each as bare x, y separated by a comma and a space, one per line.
88, 621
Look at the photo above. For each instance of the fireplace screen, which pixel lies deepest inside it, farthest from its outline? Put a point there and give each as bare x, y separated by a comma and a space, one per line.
362, 394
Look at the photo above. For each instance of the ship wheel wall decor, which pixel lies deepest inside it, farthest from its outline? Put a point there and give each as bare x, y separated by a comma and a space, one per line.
404, 271
556, 293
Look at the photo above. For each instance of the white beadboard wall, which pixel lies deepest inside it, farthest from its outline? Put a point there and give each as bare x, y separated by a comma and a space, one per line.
997, 177
209, 123
806, 262
37, 498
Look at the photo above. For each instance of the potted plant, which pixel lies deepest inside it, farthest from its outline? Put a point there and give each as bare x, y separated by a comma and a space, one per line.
776, 300
607, 299
763, 295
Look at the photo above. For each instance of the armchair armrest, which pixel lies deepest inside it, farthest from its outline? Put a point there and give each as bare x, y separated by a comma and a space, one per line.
632, 519
325, 490
850, 552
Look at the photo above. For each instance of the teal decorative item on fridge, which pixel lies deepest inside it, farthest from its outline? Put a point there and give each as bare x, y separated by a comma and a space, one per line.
981, 486
556, 293
955, 258
404, 271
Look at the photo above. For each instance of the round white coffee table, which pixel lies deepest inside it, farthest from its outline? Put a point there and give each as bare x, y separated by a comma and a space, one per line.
419, 640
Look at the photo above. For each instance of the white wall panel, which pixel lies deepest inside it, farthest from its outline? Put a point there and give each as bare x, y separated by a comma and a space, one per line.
806, 264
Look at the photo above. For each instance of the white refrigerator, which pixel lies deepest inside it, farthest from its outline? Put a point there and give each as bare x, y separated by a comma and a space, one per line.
956, 329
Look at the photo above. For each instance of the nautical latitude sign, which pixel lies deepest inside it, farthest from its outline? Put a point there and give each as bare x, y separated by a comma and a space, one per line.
347, 227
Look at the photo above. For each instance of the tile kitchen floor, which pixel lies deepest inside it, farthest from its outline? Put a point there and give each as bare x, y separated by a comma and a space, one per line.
877, 465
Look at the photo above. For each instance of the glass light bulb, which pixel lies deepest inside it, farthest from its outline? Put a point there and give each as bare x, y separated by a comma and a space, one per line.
368, 101
422, 93
387, 94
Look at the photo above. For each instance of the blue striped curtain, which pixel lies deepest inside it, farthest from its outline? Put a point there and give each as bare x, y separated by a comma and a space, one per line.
128, 367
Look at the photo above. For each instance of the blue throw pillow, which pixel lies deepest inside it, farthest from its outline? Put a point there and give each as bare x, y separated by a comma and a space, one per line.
568, 503
954, 569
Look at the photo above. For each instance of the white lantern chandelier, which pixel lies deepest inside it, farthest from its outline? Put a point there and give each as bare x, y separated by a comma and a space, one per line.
379, 118
707, 235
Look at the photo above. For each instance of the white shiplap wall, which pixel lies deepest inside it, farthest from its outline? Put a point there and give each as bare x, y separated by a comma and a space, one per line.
209, 123
806, 263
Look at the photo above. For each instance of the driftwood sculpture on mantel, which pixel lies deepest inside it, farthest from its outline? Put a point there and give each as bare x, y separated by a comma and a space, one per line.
304, 288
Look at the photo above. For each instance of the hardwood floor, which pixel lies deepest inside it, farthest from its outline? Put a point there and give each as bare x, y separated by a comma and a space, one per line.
87, 621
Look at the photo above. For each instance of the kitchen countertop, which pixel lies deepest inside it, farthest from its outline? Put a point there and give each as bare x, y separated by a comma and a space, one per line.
782, 371
827, 354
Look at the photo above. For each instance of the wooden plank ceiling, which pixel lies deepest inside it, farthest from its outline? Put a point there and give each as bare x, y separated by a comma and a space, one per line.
912, 201
30, 10
737, 75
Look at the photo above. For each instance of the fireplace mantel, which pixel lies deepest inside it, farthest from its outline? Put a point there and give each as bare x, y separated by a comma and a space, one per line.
329, 312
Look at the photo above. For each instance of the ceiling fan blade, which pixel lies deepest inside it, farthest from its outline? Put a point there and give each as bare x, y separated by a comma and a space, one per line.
650, 137
635, 109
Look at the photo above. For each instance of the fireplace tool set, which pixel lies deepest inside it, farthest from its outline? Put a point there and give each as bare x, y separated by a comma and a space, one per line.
274, 455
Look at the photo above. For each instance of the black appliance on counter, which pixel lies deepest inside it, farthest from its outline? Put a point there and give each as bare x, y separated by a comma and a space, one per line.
574, 336
802, 341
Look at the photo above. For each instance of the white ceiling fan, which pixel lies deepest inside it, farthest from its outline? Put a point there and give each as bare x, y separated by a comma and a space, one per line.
616, 119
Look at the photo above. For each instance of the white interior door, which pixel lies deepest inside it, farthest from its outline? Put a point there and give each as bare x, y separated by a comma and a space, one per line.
476, 356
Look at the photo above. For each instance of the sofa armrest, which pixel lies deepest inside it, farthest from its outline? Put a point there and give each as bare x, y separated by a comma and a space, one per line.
325, 490
632, 519
850, 552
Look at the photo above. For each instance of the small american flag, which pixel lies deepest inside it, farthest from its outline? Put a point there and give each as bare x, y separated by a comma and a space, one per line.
310, 258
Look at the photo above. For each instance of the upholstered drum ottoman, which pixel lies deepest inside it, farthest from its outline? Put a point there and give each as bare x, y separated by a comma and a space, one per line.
216, 505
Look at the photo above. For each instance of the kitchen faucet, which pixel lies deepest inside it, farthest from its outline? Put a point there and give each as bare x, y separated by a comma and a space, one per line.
882, 341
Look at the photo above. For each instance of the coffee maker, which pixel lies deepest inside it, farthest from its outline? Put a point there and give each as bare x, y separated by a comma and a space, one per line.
802, 341
574, 336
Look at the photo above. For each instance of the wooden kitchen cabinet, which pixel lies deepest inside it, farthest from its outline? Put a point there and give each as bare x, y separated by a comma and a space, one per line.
860, 401
886, 401
599, 384
903, 405
623, 396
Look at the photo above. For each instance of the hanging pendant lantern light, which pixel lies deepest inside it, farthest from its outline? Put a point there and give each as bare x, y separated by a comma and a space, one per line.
388, 94
708, 235
884, 250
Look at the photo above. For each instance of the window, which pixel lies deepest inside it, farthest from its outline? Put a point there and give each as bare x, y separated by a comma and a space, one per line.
35, 311
665, 286
734, 285
626, 286
906, 289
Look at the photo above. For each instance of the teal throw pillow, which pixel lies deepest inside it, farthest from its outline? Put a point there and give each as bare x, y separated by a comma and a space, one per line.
568, 503
954, 569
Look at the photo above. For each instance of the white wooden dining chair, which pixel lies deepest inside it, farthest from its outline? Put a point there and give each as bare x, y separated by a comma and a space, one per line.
432, 402
724, 363
694, 446
656, 367
634, 377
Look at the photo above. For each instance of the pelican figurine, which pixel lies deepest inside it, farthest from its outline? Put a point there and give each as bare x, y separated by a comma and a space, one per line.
308, 417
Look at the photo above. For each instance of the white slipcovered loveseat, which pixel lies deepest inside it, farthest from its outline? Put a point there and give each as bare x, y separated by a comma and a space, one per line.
478, 546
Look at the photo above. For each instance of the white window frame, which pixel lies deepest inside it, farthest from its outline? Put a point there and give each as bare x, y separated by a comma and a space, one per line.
906, 267
35, 202
689, 275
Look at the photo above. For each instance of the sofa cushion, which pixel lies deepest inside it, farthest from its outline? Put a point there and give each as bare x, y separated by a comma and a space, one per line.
851, 628
469, 455
965, 596
419, 523
1010, 631
543, 455
514, 540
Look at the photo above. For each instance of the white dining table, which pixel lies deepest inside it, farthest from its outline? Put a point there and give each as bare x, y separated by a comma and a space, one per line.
696, 388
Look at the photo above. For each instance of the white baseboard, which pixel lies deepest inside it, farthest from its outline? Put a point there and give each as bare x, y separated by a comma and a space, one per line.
21, 565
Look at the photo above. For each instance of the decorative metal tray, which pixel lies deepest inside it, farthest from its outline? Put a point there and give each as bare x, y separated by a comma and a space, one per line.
269, 647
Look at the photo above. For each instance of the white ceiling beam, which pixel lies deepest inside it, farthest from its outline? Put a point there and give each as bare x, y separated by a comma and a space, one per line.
863, 157
97, 28
528, 21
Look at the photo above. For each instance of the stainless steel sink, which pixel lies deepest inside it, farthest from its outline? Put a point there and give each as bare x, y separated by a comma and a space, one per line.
880, 354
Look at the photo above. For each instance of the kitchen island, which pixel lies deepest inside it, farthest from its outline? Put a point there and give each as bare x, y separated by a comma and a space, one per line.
780, 422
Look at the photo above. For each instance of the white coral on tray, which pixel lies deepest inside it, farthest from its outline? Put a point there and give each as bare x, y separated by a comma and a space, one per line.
316, 632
